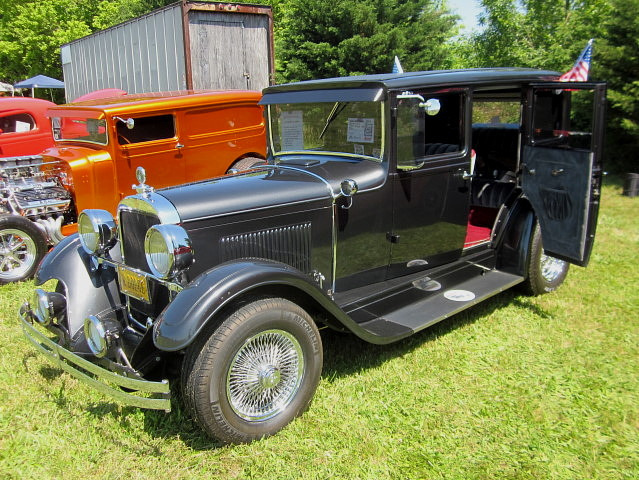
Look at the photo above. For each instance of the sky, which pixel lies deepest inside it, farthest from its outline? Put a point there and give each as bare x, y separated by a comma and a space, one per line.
467, 10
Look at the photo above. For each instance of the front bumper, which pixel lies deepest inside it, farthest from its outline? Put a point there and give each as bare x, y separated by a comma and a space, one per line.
94, 375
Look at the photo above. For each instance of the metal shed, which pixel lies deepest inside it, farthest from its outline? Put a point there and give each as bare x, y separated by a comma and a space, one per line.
183, 46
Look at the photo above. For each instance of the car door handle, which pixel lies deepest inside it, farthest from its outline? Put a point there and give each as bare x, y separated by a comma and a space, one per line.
556, 172
463, 174
179, 145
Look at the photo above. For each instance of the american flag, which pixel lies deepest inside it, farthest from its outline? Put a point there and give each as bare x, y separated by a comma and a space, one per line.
579, 71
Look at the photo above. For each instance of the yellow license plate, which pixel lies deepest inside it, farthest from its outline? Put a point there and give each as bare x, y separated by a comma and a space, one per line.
134, 284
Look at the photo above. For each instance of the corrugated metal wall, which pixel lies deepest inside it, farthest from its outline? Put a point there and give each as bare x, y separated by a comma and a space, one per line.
229, 50
145, 54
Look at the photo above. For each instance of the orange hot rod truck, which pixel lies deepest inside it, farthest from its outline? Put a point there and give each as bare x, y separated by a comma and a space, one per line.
177, 137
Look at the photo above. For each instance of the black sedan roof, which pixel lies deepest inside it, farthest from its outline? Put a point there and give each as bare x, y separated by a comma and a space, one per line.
409, 80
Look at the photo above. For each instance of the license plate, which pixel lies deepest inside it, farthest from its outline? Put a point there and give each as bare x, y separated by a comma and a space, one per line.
134, 284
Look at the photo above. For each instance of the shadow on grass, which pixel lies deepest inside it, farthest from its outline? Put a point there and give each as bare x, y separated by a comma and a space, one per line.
344, 355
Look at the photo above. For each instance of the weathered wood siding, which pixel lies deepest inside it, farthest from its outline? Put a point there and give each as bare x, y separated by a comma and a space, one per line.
229, 50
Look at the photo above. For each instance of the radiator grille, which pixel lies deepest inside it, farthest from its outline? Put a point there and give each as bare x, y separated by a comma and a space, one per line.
134, 226
290, 245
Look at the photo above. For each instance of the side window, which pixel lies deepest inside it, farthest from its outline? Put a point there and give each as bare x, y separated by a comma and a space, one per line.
425, 132
146, 129
563, 118
18, 122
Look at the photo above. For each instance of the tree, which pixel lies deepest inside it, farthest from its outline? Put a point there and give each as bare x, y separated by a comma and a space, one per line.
619, 64
31, 34
113, 12
536, 33
318, 39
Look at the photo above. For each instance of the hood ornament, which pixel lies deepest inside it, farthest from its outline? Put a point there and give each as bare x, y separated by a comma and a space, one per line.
142, 188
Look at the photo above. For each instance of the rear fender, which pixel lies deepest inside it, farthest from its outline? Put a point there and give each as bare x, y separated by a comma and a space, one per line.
88, 290
185, 317
513, 237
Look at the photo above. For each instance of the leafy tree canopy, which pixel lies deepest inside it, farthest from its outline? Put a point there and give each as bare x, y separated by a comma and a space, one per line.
32, 31
618, 63
536, 33
319, 39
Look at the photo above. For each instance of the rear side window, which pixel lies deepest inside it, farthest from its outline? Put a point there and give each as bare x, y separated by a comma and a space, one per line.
146, 129
18, 122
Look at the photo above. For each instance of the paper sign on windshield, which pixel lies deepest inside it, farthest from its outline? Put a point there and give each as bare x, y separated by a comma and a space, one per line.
361, 130
291, 124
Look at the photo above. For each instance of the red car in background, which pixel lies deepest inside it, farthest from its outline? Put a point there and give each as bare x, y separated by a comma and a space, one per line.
24, 127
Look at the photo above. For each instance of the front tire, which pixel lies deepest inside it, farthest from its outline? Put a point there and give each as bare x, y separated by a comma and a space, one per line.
545, 273
254, 373
22, 246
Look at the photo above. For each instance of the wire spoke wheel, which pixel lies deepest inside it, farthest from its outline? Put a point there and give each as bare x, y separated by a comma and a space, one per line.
250, 374
265, 375
545, 273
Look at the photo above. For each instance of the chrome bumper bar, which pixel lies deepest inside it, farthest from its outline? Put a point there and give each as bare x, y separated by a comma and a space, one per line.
94, 375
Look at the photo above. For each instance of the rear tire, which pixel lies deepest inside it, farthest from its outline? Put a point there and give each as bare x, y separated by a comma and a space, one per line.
22, 246
254, 373
545, 273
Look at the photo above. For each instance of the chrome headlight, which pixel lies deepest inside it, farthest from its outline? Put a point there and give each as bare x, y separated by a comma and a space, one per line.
47, 305
97, 230
101, 335
168, 250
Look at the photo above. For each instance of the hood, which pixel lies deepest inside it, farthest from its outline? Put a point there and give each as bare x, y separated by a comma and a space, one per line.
291, 180
75, 156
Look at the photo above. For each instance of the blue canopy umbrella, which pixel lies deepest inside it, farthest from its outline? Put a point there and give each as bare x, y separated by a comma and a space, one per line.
39, 81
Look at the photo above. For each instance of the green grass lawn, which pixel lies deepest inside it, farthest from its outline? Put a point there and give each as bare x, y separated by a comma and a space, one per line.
517, 387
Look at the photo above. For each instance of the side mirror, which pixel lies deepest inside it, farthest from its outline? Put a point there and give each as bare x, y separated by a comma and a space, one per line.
432, 106
129, 122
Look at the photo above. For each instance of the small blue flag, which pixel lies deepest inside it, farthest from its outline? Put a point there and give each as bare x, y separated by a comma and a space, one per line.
397, 67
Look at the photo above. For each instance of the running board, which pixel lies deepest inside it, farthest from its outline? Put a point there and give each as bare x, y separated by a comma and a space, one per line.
406, 320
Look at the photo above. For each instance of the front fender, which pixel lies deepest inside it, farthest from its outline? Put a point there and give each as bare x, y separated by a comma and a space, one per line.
193, 307
88, 290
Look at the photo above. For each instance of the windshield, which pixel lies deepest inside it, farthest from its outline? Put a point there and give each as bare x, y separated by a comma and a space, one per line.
80, 129
343, 128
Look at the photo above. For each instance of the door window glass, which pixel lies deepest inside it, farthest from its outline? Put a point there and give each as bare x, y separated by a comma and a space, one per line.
423, 134
563, 118
146, 129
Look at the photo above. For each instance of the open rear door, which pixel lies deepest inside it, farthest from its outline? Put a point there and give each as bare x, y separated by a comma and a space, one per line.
561, 164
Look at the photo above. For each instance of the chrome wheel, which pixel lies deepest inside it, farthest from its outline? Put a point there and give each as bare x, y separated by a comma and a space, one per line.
254, 372
551, 268
18, 253
264, 375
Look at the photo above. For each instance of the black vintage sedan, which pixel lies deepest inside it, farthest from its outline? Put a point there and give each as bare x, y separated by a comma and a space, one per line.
387, 203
